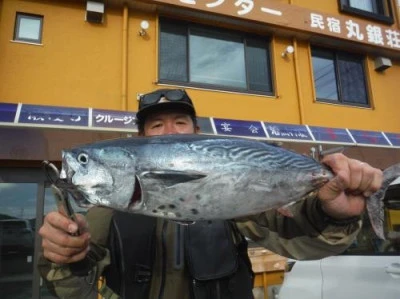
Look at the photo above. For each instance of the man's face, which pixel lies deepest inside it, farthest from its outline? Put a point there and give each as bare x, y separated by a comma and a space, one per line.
168, 122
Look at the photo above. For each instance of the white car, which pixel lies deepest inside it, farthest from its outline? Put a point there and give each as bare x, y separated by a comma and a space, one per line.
369, 269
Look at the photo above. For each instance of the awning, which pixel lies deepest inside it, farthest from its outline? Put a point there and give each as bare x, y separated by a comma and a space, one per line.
25, 115
89, 124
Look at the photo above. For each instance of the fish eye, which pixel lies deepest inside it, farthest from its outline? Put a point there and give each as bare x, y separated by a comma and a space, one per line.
83, 158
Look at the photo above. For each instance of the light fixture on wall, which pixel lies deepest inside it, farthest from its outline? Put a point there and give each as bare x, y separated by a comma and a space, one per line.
144, 25
94, 12
382, 63
288, 50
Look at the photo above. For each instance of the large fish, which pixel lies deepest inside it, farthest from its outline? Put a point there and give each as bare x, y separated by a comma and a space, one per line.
191, 177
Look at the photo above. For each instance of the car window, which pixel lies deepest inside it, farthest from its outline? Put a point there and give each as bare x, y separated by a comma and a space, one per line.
367, 243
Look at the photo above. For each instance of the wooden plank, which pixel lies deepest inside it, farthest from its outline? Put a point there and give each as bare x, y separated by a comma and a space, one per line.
263, 260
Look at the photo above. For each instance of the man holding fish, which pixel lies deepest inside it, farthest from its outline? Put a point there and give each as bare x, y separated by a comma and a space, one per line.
174, 245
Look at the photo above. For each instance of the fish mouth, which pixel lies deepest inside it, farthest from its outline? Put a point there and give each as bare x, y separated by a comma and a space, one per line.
79, 197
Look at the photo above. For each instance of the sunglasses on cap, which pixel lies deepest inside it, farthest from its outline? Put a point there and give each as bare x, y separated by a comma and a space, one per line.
172, 95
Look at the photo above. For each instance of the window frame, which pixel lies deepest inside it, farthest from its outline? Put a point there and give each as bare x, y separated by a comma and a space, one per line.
336, 54
17, 25
244, 36
386, 16
31, 175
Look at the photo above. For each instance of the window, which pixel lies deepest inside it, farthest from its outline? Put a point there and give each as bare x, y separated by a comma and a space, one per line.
214, 58
378, 10
339, 77
28, 28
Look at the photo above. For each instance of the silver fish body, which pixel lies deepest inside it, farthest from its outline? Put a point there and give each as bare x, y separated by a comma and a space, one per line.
189, 177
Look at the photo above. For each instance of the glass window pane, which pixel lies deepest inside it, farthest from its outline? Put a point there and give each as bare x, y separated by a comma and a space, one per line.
217, 59
29, 28
173, 49
258, 66
17, 239
352, 80
362, 4
324, 75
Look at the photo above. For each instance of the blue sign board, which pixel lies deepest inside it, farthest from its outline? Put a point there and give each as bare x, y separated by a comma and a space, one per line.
7, 112
334, 135
288, 132
79, 117
394, 138
239, 128
113, 119
49, 115
369, 137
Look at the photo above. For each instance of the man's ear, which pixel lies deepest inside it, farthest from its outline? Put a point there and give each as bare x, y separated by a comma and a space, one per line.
197, 130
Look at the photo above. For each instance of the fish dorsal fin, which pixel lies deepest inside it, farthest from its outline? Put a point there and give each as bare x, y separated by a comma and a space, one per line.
170, 178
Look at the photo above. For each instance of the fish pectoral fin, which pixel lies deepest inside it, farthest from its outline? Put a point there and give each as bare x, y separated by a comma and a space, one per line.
172, 177
285, 211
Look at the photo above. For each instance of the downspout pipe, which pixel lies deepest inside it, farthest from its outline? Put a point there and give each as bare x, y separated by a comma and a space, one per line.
298, 83
124, 77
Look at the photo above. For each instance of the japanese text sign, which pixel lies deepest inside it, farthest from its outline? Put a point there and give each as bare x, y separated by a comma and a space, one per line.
369, 137
50, 115
394, 138
287, 131
296, 18
113, 119
334, 135
239, 127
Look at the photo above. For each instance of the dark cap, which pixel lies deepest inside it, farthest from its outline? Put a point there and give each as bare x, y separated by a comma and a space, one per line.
164, 99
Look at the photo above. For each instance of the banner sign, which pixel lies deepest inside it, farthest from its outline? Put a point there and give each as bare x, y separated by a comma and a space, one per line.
26, 115
113, 119
295, 18
49, 115
368, 137
394, 138
333, 135
239, 128
288, 132
8, 112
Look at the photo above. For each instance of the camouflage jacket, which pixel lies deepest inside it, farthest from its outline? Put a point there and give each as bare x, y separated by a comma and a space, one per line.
309, 234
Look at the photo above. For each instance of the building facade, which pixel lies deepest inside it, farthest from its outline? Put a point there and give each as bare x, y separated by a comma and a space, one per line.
306, 74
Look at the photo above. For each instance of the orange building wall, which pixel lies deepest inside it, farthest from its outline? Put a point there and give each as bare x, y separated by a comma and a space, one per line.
81, 65
77, 65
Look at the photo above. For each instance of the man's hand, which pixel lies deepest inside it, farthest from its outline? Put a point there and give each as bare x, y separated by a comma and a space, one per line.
59, 246
345, 195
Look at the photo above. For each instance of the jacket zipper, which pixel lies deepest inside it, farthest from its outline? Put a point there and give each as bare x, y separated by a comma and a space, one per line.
163, 259
121, 246
178, 247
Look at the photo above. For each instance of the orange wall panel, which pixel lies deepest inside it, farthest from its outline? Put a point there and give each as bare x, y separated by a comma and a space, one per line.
80, 64
77, 65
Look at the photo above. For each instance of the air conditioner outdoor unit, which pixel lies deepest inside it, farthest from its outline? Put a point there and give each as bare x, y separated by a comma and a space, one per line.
94, 12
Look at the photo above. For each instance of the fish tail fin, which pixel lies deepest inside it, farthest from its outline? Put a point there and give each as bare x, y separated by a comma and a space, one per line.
376, 204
